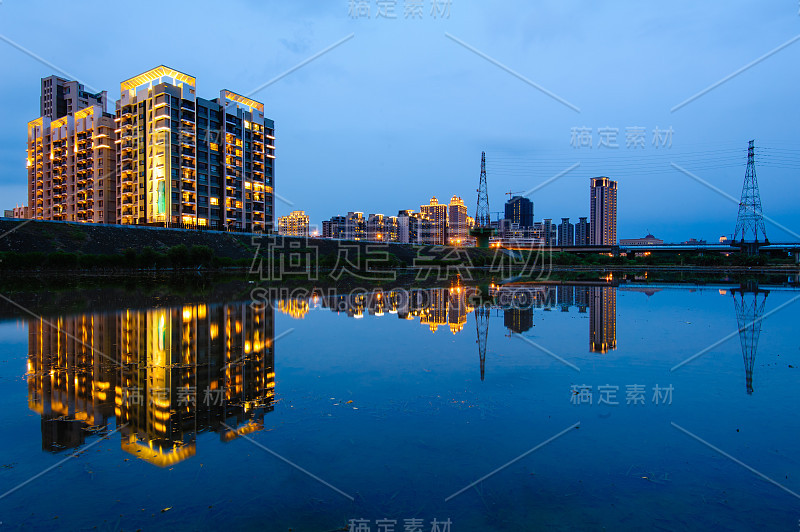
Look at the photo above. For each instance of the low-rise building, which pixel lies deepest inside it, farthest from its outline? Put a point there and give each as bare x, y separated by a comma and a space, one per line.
648, 240
21, 211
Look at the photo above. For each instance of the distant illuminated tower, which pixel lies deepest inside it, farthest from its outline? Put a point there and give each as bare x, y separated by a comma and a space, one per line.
438, 214
458, 226
603, 212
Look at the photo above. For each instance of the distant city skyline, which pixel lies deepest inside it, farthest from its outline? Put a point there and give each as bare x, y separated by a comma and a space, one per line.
405, 106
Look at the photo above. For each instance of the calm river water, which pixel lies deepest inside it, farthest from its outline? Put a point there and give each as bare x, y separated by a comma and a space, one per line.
590, 406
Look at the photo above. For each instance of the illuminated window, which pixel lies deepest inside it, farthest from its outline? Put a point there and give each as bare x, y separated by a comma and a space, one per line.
213, 146
214, 201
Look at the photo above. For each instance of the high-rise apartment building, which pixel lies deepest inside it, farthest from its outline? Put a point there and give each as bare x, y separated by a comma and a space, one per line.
391, 229
381, 228
70, 163
438, 214
458, 222
187, 161
519, 210
603, 212
566, 233
549, 232
582, 232
295, 224
334, 228
355, 226
414, 228
61, 97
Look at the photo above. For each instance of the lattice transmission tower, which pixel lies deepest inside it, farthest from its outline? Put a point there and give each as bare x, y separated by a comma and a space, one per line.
482, 216
483, 221
750, 220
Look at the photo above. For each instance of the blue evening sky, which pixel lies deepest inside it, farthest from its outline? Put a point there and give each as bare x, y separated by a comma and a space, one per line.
401, 112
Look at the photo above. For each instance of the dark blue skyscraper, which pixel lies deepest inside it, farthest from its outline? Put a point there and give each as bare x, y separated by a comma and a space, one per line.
520, 210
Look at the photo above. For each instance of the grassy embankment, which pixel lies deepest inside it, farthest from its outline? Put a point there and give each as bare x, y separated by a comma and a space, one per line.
52, 246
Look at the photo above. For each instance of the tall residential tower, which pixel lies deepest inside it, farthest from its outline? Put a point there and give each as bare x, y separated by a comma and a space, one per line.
71, 167
603, 212
187, 161
61, 97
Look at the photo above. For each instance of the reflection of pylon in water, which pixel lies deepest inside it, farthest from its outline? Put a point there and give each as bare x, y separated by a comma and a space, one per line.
749, 302
482, 326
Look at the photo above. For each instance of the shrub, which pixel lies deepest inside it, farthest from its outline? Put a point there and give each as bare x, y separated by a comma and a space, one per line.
178, 256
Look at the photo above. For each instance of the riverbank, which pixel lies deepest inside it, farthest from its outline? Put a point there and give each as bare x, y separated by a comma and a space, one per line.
37, 247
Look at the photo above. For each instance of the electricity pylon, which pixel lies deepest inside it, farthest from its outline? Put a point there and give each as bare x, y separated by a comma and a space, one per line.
750, 220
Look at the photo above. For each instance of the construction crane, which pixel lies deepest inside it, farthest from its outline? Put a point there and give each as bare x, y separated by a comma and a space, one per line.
510, 194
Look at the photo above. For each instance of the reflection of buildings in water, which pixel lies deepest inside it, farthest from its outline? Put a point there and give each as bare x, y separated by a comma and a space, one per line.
518, 320
582, 298
70, 383
458, 309
602, 318
434, 307
169, 374
296, 308
435, 312
566, 297
525, 296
